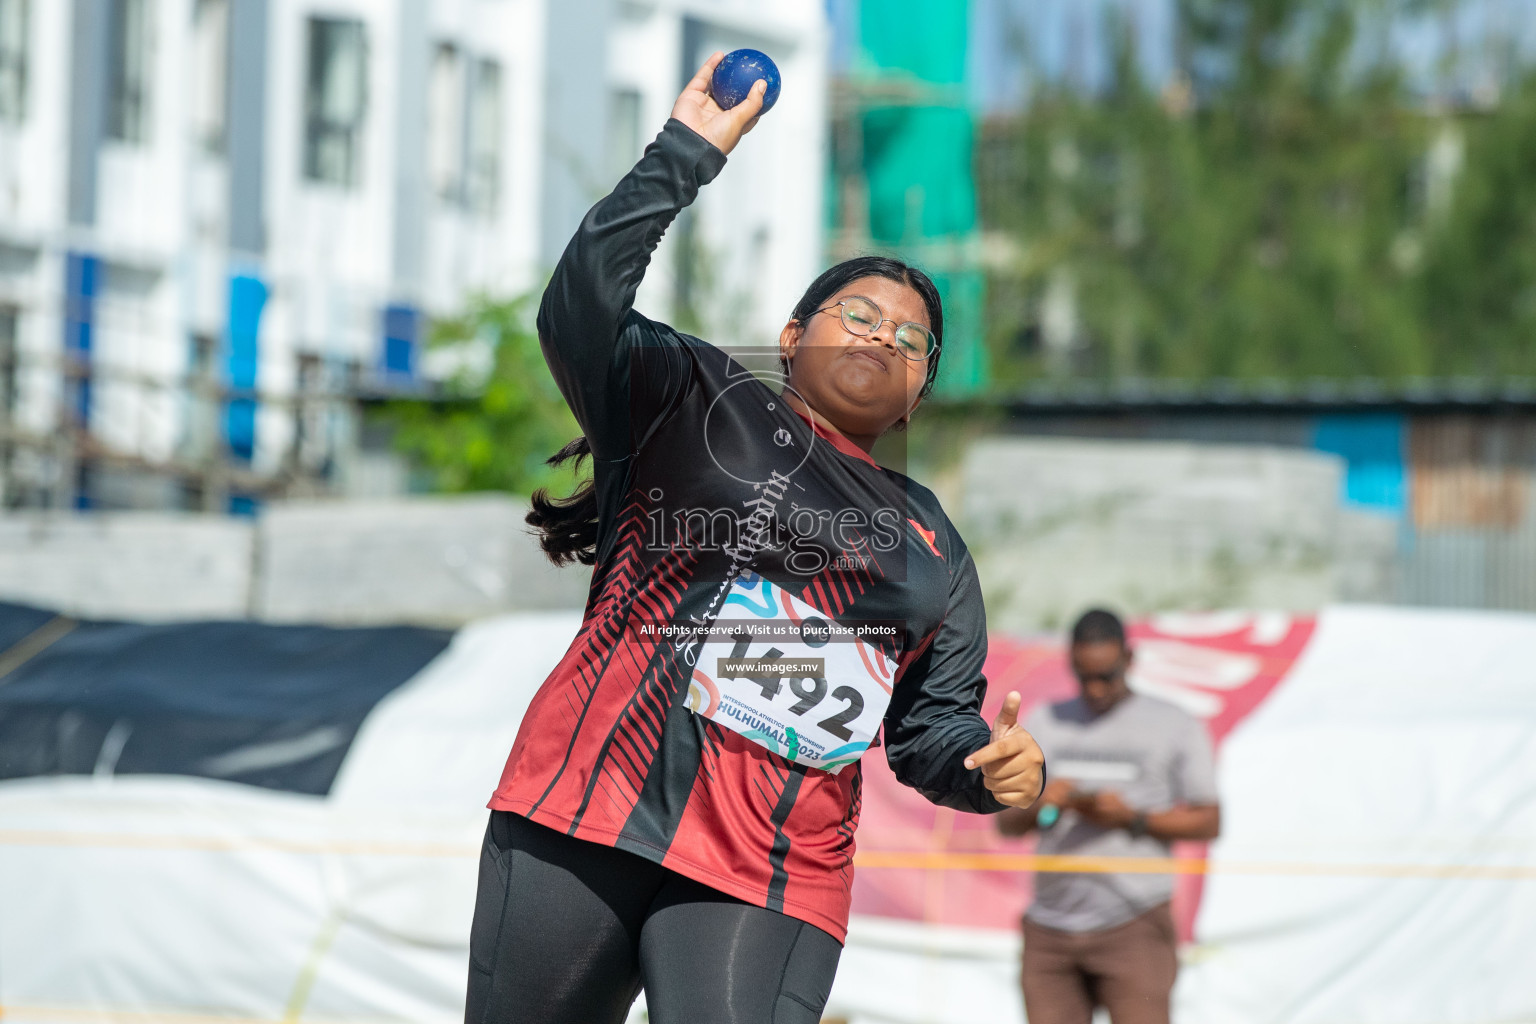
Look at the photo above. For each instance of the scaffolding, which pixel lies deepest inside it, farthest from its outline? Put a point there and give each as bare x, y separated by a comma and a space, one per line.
81, 431
902, 139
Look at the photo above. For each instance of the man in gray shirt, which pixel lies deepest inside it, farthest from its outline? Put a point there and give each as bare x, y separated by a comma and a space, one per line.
1129, 774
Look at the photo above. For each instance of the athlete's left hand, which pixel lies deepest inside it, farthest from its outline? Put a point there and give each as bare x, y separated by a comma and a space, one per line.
1012, 765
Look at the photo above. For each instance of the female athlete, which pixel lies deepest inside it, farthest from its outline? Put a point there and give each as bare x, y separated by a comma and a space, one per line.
679, 807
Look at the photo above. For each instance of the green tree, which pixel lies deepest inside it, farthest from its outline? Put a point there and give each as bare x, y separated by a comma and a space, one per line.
1269, 215
499, 416
1478, 296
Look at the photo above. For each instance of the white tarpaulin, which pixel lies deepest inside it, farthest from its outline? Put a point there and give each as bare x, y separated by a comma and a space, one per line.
1377, 863
171, 896
1378, 857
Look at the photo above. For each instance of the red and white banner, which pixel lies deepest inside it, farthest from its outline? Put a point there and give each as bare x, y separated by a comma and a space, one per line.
914, 857
1377, 769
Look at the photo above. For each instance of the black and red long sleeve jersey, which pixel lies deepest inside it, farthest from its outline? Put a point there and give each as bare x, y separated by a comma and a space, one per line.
732, 529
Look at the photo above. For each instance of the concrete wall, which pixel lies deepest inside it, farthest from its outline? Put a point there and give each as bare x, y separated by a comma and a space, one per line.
426, 560
1059, 525
140, 565
417, 560
1055, 526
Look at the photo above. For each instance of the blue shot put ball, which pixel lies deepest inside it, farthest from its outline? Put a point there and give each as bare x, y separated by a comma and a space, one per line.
735, 75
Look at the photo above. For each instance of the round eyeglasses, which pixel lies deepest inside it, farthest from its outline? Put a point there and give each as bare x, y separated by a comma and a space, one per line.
862, 317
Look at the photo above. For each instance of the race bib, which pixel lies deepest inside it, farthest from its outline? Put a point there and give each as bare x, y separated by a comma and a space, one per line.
789, 677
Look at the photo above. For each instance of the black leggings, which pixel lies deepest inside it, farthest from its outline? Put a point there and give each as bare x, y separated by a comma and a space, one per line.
567, 930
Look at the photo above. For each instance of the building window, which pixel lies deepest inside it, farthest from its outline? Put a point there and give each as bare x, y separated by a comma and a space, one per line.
623, 131
202, 393
9, 315
13, 60
483, 174
335, 99
445, 124
11, 494
128, 115
210, 55
311, 450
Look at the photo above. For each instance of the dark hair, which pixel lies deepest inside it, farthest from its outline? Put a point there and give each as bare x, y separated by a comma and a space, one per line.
1097, 626
567, 527
834, 278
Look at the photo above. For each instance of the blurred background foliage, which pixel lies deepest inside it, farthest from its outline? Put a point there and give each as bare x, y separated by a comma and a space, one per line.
1291, 204
498, 415
1296, 200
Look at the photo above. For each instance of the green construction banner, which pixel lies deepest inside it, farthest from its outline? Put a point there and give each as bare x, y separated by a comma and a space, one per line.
917, 138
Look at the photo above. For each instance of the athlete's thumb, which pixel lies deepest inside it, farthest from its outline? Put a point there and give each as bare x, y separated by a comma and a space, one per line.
1008, 717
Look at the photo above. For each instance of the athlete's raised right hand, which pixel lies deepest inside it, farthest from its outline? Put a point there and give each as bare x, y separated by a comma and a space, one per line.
698, 110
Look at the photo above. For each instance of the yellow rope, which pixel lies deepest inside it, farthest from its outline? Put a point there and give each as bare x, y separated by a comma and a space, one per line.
938, 860
867, 860
215, 844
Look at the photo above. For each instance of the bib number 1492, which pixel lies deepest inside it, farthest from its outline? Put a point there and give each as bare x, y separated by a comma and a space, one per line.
808, 691
780, 673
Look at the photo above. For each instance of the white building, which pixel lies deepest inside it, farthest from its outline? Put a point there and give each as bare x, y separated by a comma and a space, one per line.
216, 213
756, 232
